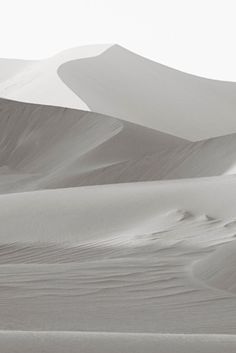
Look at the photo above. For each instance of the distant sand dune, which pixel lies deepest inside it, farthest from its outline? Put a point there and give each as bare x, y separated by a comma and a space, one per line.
111, 80
125, 85
38, 81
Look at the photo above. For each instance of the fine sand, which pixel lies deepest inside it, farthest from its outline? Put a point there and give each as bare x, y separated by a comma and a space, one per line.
118, 206
111, 80
46, 147
74, 342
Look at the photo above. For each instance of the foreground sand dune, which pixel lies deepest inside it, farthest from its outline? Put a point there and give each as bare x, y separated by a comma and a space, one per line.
218, 269
131, 269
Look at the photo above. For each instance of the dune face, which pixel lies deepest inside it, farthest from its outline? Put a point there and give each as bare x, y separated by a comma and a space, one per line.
111, 80
39, 81
218, 269
153, 95
49, 147
118, 206
11, 67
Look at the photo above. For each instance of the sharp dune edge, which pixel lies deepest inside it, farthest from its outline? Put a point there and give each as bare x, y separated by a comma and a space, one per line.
118, 206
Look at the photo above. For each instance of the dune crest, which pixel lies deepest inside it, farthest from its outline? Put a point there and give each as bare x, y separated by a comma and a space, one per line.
111, 80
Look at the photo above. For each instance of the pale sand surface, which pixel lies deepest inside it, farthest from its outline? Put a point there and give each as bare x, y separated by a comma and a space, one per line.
111, 80
74, 342
38, 81
116, 236
131, 269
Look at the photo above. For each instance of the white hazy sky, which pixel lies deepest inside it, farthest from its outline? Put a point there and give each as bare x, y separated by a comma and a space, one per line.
196, 36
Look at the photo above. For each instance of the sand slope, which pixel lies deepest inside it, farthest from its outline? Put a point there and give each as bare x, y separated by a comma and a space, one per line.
129, 270
38, 82
122, 84
111, 80
218, 269
52, 147
9, 68
44, 146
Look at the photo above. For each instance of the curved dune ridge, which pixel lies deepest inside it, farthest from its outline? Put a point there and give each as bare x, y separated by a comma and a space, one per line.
117, 199
111, 80
38, 81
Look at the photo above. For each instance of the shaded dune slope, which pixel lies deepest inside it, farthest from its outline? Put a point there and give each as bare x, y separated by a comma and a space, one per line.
125, 85
50, 147
44, 146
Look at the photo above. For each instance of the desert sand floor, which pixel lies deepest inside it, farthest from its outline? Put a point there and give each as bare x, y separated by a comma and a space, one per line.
74, 342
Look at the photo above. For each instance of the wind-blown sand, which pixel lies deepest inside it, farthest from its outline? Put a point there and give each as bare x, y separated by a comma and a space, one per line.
115, 235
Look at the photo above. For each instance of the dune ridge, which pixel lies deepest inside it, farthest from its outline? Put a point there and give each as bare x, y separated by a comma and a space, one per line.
113, 81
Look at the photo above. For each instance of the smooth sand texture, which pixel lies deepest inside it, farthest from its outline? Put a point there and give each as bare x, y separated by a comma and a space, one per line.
153, 95
114, 236
111, 80
39, 81
51, 147
11, 67
73, 342
218, 269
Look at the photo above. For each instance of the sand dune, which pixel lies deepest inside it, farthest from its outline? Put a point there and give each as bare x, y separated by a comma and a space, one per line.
218, 269
38, 82
51, 147
117, 224
9, 68
132, 263
44, 146
153, 95
111, 80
